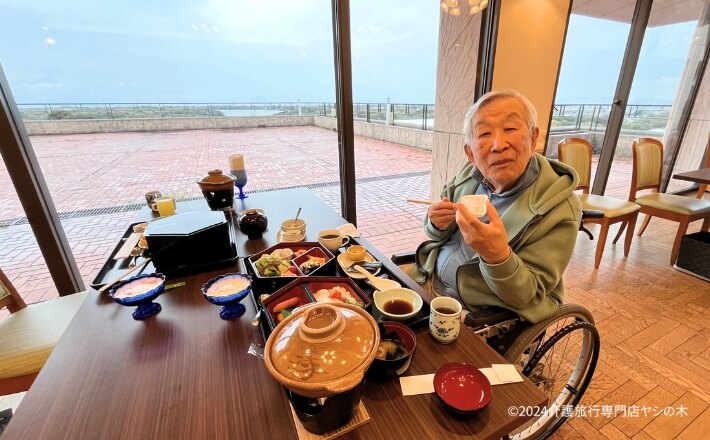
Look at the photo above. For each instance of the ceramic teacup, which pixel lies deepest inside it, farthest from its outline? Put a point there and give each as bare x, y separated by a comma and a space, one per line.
445, 319
332, 239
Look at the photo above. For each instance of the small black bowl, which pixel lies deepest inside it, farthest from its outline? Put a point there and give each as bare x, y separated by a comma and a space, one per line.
385, 369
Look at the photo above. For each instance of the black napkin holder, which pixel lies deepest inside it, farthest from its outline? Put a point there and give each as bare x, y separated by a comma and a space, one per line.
199, 239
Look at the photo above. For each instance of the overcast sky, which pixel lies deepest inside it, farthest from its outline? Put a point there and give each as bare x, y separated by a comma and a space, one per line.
256, 51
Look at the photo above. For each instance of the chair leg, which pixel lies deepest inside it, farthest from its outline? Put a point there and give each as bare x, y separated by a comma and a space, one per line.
621, 231
701, 190
601, 241
630, 233
706, 224
682, 227
644, 224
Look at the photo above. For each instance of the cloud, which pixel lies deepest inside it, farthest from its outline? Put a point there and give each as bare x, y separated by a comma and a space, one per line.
292, 23
47, 85
51, 41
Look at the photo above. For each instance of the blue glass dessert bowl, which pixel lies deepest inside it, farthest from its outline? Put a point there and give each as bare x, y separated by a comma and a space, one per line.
140, 291
227, 291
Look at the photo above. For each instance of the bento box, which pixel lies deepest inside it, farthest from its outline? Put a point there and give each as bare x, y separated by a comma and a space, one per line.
278, 265
302, 291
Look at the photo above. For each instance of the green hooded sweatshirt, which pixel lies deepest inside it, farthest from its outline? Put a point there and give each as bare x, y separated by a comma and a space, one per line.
542, 226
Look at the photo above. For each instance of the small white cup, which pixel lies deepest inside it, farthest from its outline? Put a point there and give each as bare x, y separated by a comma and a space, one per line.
445, 319
293, 224
332, 239
476, 204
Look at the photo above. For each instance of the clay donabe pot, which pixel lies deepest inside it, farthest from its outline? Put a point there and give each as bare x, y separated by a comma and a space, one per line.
320, 353
218, 189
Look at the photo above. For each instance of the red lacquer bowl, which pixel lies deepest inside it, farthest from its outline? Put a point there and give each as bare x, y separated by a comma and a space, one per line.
462, 388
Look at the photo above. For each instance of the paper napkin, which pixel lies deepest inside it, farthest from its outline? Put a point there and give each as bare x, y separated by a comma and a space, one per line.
349, 229
500, 374
507, 373
412, 385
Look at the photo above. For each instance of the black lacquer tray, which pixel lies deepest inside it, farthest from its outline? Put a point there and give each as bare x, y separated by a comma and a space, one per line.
114, 268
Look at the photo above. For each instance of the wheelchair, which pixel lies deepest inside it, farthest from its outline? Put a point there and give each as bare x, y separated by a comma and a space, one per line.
558, 355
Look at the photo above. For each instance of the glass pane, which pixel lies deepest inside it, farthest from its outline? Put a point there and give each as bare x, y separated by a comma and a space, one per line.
124, 98
589, 73
661, 69
20, 257
394, 52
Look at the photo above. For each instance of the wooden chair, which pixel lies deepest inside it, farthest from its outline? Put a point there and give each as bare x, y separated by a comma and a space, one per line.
577, 153
28, 335
646, 174
704, 186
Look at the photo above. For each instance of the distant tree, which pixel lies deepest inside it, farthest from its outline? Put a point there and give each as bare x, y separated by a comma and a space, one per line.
60, 114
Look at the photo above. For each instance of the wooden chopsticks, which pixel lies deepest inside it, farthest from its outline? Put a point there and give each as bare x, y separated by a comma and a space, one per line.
108, 285
420, 201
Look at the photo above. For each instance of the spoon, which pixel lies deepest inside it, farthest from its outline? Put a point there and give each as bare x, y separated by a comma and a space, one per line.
295, 221
255, 321
135, 253
378, 283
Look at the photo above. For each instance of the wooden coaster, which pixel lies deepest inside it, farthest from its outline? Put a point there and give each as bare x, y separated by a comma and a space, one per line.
359, 418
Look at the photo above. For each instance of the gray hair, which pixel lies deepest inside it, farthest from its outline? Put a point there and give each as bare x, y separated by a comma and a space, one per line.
493, 96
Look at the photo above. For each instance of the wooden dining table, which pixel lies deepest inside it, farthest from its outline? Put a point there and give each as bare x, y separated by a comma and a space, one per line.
700, 176
187, 374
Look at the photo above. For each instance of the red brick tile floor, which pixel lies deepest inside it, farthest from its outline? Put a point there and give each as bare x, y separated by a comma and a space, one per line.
105, 170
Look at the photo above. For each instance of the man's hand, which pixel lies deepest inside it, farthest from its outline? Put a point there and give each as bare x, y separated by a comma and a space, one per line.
490, 240
442, 214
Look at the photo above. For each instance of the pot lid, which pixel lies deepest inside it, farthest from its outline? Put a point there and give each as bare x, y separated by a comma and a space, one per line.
185, 223
215, 178
322, 342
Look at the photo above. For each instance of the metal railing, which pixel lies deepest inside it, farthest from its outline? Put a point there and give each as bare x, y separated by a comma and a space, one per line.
44, 112
594, 117
565, 117
408, 115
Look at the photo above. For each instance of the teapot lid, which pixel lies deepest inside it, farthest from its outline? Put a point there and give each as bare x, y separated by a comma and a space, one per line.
322, 342
216, 177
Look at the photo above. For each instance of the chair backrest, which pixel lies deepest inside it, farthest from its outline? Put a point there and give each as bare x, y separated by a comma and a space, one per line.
647, 160
8, 295
577, 153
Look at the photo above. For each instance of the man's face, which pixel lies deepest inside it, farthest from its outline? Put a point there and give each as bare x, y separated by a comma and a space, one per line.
502, 143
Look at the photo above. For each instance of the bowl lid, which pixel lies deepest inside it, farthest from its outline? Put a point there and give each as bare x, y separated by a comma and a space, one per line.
216, 178
322, 342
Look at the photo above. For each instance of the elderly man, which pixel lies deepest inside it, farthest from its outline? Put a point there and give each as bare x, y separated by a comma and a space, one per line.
515, 255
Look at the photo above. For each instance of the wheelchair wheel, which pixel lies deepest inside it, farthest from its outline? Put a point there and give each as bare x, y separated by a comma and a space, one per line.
559, 356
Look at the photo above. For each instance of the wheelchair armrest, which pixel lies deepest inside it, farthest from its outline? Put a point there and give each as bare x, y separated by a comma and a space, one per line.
403, 258
488, 315
591, 213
